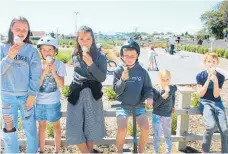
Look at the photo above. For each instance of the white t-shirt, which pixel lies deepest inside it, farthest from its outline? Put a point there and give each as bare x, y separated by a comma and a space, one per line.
172, 40
151, 53
49, 92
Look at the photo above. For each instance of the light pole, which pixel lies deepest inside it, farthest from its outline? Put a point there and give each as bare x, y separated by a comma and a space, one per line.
76, 19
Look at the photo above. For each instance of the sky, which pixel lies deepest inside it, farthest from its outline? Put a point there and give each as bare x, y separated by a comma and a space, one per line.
107, 16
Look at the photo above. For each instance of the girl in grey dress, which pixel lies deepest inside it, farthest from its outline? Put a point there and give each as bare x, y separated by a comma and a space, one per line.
85, 118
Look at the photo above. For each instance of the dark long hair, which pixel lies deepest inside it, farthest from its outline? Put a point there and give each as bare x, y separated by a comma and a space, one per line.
78, 49
10, 34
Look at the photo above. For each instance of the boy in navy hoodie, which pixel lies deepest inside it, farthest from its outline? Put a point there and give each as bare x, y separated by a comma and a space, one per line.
133, 86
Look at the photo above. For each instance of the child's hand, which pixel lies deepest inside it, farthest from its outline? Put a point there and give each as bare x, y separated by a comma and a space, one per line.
87, 58
53, 69
173, 110
165, 95
214, 78
125, 74
47, 70
149, 102
30, 102
13, 51
167, 89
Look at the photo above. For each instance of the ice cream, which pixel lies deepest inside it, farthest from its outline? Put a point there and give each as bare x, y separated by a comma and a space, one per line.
167, 89
49, 59
17, 39
85, 49
211, 70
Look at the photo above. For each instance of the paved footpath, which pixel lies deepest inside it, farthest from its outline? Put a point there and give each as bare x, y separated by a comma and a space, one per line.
184, 67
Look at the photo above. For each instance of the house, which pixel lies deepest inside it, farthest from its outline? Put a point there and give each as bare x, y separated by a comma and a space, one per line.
36, 35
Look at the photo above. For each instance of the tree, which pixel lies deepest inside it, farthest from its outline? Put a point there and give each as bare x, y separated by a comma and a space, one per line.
214, 21
200, 34
224, 10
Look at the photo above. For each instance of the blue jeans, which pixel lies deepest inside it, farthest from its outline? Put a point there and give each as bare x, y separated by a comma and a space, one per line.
214, 114
10, 106
171, 49
162, 124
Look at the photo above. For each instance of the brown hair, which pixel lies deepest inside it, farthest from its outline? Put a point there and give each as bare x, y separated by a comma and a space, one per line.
10, 34
78, 49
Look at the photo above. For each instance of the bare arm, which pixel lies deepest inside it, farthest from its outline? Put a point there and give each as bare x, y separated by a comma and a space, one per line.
203, 89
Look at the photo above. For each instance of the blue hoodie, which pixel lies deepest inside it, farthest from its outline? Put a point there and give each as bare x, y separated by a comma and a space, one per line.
20, 76
134, 90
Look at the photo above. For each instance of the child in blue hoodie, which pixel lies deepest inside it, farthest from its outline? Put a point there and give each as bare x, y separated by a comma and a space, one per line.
20, 76
133, 85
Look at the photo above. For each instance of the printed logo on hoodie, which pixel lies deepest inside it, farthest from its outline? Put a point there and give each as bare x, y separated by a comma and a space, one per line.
134, 79
23, 58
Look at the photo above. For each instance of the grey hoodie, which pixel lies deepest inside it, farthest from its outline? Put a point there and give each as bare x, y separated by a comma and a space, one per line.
20, 76
97, 71
136, 89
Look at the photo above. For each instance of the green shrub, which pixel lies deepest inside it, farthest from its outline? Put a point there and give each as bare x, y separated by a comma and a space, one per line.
174, 124
205, 50
64, 56
50, 131
70, 43
220, 52
110, 93
226, 54
194, 48
195, 100
65, 91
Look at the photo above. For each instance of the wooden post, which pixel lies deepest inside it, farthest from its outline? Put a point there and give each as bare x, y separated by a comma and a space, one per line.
185, 94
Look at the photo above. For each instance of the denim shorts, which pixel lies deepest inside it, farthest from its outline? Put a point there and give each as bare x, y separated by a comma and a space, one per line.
126, 113
48, 112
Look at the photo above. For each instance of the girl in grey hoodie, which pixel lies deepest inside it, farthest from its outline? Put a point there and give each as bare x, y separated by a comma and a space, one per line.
20, 76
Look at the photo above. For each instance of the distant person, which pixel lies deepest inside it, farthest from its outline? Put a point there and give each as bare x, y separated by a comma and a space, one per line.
178, 39
226, 36
200, 42
171, 44
151, 55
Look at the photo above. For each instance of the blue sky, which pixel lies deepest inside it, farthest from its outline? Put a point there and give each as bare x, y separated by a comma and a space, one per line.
106, 16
